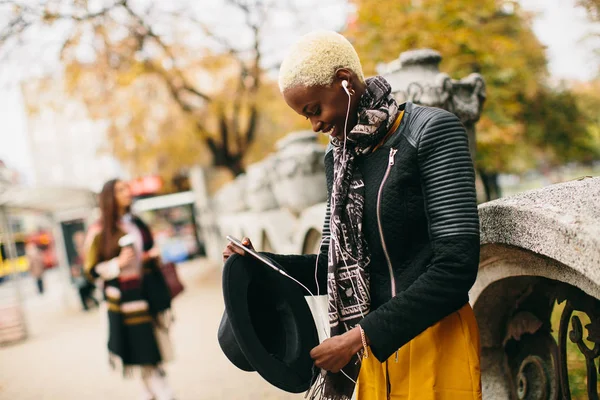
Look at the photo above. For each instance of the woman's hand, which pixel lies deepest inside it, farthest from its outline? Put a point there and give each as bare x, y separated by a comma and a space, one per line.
126, 257
231, 249
151, 254
336, 352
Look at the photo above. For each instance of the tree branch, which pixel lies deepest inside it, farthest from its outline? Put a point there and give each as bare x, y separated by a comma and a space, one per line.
22, 7
18, 25
150, 33
85, 17
214, 149
224, 131
252, 124
208, 32
14, 28
592, 7
237, 106
173, 87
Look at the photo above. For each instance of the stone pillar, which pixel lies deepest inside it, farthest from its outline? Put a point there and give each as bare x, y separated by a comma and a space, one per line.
259, 185
300, 172
415, 77
206, 219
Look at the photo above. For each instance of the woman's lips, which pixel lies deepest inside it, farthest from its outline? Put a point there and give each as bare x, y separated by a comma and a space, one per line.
332, 131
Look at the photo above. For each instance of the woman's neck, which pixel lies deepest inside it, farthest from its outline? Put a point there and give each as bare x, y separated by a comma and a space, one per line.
360, 88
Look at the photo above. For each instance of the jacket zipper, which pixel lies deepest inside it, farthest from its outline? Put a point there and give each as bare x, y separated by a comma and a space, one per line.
385, 251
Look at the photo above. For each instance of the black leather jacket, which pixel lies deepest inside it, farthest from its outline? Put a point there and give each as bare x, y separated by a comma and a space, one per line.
421, 225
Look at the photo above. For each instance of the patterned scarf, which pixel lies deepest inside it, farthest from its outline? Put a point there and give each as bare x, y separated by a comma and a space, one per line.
348, 260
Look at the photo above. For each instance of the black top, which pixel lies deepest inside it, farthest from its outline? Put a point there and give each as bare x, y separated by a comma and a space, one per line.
421, 225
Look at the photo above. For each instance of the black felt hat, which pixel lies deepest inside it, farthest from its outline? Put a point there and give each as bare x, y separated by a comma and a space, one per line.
267, 325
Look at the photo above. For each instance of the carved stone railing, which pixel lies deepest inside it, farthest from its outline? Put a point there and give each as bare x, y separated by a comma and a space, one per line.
300, 172
537, 295
578, 301
259, 185
293, 178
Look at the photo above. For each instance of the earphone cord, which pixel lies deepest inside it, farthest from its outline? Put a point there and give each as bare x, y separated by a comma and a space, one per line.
346, 121
332, 205
320, 310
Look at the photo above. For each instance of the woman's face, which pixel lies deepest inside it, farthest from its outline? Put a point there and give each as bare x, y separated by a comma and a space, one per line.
326, 106
122, 195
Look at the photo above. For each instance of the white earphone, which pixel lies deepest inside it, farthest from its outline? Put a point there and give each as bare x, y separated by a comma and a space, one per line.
345, 86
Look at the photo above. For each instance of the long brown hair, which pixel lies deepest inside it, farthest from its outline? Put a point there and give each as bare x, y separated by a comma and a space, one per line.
109, 237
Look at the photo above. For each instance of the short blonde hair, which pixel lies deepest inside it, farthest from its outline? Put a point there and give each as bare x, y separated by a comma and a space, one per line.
313, 60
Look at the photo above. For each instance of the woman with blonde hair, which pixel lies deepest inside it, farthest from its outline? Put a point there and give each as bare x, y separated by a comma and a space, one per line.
401, 236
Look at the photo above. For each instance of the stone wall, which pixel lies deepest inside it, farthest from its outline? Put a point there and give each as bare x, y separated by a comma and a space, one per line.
292, 178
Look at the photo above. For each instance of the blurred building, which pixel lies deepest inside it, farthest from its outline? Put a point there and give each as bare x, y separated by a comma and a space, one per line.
8, 176
66, 145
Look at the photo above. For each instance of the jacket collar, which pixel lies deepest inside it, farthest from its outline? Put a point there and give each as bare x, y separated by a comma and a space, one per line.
408, 108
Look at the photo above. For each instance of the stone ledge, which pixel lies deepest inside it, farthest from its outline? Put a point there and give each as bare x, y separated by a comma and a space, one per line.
561, 222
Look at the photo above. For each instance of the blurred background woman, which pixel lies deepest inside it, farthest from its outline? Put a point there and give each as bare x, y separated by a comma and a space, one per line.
122, 254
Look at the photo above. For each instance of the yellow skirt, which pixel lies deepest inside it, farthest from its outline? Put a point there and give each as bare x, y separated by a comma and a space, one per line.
442, 363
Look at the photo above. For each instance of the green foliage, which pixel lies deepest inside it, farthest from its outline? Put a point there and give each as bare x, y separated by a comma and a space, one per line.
560, 128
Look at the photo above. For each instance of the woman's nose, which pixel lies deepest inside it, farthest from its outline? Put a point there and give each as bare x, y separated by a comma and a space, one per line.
316, 124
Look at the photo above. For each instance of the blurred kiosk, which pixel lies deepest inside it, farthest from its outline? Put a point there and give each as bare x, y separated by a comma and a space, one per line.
172, 220
60, 205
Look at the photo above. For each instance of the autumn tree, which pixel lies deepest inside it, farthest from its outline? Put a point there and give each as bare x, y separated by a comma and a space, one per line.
163, 78
522, 123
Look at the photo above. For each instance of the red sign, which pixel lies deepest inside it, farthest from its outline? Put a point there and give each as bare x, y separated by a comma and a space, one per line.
146, 185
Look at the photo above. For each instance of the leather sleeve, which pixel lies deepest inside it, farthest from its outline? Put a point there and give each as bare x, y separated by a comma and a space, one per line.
448, 184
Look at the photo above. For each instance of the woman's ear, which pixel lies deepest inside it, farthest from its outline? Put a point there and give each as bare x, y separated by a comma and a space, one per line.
343, 74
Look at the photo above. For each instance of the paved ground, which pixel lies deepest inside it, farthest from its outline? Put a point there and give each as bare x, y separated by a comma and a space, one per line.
65, 356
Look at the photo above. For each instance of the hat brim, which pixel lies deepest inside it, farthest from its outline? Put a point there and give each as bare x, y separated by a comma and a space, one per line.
230, 346
271, 322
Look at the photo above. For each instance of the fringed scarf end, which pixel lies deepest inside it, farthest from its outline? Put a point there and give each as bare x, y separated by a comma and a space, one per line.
315, 392
318, 390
